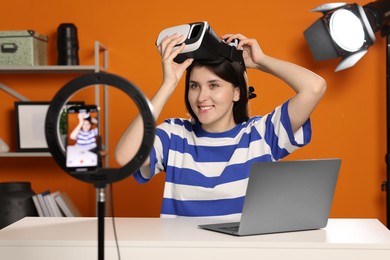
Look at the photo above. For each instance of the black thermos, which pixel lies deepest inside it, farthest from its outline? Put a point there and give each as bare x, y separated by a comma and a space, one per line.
67, 44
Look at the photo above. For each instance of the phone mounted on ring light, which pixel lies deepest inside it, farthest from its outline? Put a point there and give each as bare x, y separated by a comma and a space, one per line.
100, 176
202, 43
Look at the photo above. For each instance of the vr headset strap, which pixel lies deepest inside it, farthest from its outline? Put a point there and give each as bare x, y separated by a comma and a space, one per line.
231, 53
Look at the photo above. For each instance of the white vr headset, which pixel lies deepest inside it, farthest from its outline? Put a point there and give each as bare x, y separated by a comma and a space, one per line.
202, 43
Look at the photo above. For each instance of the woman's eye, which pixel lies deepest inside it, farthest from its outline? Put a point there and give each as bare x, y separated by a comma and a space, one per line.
193, 86
214, 85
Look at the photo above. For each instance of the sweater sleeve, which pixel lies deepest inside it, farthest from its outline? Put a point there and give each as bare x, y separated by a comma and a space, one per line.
158, 155
277, 131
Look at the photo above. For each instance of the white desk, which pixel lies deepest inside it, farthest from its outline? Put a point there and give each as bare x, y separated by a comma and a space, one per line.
154, 238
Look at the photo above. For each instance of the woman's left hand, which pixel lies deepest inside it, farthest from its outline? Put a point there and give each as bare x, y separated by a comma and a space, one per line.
252, 53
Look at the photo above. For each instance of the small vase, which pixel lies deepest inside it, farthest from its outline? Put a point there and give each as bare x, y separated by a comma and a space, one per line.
15, 202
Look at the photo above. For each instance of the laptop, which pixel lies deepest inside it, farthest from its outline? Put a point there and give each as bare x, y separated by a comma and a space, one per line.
285, 196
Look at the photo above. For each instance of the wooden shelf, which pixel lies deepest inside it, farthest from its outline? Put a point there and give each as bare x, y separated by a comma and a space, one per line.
100, 64
25, 154
49, 69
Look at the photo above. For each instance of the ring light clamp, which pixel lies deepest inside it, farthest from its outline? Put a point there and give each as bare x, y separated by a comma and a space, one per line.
101, 176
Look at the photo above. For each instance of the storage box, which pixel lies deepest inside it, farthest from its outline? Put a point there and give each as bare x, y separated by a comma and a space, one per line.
22, 48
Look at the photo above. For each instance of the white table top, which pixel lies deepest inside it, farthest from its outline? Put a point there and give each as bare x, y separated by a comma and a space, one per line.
183, 233
339, 232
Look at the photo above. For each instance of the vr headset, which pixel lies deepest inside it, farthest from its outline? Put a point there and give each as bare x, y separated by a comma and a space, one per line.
202, 43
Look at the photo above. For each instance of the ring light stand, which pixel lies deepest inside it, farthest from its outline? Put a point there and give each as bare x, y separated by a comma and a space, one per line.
101, 176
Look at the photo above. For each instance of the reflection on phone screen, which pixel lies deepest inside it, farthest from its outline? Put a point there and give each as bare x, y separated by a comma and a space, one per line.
82, 147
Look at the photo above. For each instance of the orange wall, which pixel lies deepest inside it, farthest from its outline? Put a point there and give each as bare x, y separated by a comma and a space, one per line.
350, 122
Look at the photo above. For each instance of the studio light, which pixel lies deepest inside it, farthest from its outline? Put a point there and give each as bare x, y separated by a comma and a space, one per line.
346, 31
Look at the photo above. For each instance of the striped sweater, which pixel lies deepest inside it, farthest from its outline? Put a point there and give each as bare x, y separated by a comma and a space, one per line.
207, 173
87, 139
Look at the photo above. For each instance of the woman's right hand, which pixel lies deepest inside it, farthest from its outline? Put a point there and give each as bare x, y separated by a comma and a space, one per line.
172, 71
81, 117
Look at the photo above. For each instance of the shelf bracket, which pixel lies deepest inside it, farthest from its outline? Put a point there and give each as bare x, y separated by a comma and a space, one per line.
13, 93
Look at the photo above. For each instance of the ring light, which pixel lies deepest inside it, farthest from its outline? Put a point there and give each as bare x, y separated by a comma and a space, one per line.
101, 176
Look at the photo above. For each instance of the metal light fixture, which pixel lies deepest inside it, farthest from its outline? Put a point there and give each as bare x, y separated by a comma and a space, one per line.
346, 30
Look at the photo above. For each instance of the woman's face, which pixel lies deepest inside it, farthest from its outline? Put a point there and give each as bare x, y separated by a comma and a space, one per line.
212, 98
86, 126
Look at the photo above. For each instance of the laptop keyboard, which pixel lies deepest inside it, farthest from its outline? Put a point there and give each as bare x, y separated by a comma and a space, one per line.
232, 229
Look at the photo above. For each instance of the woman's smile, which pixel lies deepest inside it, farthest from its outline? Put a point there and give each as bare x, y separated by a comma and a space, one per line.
205, 108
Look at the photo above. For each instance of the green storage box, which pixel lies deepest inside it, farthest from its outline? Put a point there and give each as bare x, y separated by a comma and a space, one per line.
22, 48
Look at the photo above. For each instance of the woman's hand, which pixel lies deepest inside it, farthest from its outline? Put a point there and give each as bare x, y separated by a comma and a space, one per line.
81, 117
252, 53
172, 71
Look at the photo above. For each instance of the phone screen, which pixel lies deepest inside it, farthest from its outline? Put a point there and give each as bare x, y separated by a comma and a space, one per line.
82, 146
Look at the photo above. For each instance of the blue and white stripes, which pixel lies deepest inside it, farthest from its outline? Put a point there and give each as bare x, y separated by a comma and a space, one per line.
207, 173
87, 139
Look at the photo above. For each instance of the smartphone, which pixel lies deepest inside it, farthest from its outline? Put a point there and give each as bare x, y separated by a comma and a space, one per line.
82, 142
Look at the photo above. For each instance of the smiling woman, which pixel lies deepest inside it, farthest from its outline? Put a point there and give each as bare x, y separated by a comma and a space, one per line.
207, 158
349, 122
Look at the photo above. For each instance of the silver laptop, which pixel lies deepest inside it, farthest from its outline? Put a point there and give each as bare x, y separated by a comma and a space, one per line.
285, 196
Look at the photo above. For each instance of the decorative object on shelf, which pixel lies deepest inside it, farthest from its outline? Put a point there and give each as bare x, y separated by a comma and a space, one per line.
23, 48
3, 146
67, 44
15, 202
30, 126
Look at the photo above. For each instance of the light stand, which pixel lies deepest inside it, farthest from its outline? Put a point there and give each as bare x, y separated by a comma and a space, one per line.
100, 210
385, 184
363, 22
100, 177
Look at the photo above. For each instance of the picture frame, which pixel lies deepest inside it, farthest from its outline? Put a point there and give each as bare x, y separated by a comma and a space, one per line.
30, 125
